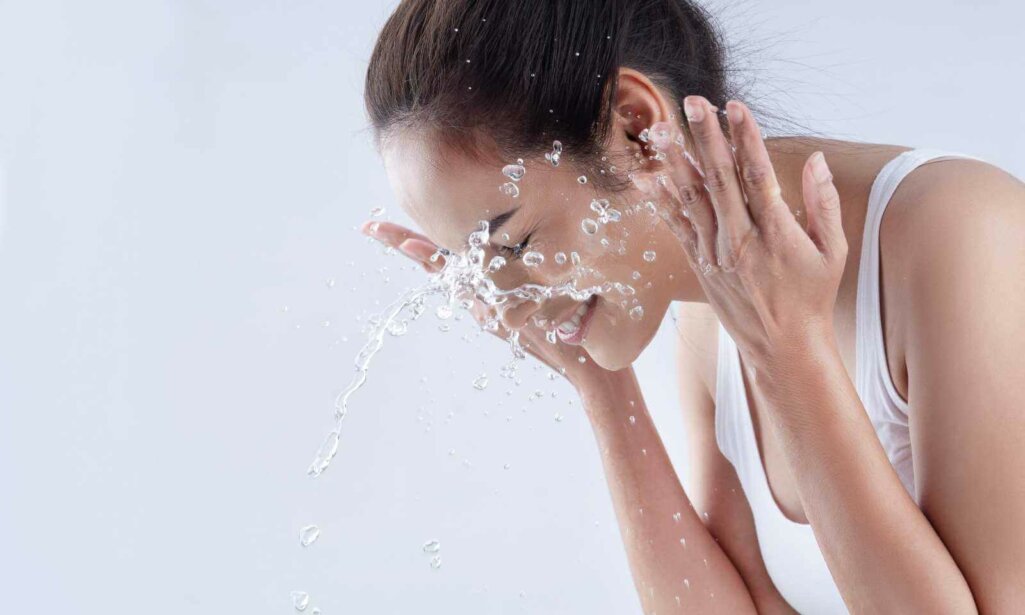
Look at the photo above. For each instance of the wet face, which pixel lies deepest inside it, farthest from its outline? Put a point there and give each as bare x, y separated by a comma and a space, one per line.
448, 195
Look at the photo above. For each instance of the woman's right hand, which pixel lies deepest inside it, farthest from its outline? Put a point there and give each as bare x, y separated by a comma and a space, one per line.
561, 357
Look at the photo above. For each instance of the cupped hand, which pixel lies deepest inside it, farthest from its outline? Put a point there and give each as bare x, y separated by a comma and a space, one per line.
772, 283
561, 357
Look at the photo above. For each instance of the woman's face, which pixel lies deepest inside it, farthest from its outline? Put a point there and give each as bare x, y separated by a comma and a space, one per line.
448, 195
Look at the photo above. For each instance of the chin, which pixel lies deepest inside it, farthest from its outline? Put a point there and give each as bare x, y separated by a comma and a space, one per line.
617, 342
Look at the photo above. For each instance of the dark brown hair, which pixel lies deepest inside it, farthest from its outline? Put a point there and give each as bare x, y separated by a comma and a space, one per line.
528, 72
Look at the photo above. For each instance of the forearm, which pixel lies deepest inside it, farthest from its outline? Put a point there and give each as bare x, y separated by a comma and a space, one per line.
882, 551
674, 560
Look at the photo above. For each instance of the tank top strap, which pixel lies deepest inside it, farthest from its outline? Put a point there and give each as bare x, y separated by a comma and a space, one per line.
872, 368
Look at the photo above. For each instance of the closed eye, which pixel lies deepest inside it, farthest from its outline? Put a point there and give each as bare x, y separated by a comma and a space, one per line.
516, 251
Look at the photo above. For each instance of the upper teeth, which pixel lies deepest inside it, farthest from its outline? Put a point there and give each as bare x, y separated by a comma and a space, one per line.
570, 326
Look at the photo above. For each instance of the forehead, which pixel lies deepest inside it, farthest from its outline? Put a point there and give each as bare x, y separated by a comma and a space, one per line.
446, 194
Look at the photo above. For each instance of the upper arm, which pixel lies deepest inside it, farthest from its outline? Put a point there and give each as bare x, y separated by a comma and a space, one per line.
966, 378
712, 484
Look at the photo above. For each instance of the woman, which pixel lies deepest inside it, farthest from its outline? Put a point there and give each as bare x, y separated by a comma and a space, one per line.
859, 431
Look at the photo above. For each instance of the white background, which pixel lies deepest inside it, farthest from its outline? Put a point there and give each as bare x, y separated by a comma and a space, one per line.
173, 174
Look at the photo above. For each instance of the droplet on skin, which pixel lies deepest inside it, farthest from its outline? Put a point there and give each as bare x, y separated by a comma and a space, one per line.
533, 259
649, 256
556, 153
582, 180
581, 360
687, 583
676, 517
308, 535
633, 420
514, 172
560, 258
509, 189
637, 313
589, 226
551, 336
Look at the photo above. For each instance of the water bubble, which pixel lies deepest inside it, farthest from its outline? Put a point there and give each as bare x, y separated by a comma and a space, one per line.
551, 336
558, 417
575, 259
308, 535
328, 449
637, 313
432, 546
633, 420
480, 382
377, 211
436, 562
589, 226
581, 359
533, 259
560, 258
582, 180
644, 135
443, 312
509, 189
300, 600
398, 327
687, 583
496, 263
556, 153
330, 282
636, 275
676, 517
514, 172
649, 255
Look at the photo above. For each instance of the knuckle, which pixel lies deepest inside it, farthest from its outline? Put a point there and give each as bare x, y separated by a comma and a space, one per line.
717, 177
689, 193
755, 176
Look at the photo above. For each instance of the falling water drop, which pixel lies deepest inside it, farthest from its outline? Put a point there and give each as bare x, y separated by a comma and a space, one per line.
432, 546
443, 312
436, 562
300, 600
480, 382
496, 263
377, 211
308, 535
509, 189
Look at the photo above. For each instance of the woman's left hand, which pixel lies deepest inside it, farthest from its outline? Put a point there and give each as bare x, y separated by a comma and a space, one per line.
772, 284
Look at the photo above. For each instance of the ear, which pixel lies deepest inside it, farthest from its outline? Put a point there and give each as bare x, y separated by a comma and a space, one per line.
639, 105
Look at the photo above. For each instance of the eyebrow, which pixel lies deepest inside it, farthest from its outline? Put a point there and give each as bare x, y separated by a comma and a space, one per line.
496, 223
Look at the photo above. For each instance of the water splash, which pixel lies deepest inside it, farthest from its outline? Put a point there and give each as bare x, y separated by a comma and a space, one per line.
308, 535
300, 600
463, 279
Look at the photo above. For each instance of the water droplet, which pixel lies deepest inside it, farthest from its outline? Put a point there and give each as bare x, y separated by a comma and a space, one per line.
558, 417
649, 255
637, 313
480, 382
574, 258
496, 263
436, 562
533, 259
443, 312
432, 546
300, 600
589, 226
560, 258
514, 172
676, 517
582, 180
330, 282
633, 420
687, 583
636, 275
551, 336
308, 535
556, 153
509, 189
377, 211
581, 359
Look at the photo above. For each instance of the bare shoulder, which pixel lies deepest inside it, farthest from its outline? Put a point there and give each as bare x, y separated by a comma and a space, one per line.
697, 343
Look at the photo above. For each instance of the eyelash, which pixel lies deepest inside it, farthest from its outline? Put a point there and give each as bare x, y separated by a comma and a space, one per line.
517, 250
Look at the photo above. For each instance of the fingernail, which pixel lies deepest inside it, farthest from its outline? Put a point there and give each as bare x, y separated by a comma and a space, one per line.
819, 168
370, 227
735, 113
695, 111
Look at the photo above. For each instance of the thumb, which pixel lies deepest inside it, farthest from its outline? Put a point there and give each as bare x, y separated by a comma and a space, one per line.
822, 202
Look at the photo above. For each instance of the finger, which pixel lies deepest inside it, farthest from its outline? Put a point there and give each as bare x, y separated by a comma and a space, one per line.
720, 181
390, 233
673, 213
757, 175
690, 193
822, 201
422, 251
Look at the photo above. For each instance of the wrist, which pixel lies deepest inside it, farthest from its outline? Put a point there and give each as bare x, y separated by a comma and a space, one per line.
810, 351
602, 390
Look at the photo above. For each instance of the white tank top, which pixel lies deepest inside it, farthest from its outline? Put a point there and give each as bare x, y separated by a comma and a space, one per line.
791, 554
